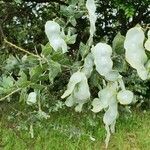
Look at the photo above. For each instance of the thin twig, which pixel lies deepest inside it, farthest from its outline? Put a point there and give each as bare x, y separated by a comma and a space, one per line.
21, 49
10, 94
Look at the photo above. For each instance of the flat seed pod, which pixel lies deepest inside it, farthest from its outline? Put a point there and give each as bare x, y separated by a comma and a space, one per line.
70, 101
90, 5
147, 43
142, 72
112, 75
112, 112
103, 68
78, 108
97, 105
105, 95
31, 98
51, 27
58, 43
52, 30
101, 49
88, 65
125, 97
74, 79
81, 91
109, 120
102, 58
148, 66
135, 52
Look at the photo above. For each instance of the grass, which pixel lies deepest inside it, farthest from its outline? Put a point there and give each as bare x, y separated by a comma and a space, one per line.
67, 130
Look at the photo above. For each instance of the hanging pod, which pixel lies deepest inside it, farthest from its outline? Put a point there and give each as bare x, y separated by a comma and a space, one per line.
88, 65
52, 30
110, 117
91, 7
77, 90
135, 52
125, 97
147, 43
102, 59
107, 100
32, 98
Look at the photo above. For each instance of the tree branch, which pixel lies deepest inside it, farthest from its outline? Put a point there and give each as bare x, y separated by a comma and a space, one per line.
61, 2
3, 98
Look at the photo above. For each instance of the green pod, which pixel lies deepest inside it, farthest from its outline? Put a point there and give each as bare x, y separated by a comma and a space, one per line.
125, 97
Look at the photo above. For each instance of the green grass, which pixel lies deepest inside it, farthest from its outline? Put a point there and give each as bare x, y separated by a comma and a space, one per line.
67, 130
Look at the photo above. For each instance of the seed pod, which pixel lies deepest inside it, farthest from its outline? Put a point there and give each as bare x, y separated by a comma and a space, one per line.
135, 52
31, 98
88, 65
91, 7
125, 97
147, 43
102, 60
52, 30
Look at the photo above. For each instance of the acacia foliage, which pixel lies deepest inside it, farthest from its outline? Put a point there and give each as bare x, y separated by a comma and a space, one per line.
33, 75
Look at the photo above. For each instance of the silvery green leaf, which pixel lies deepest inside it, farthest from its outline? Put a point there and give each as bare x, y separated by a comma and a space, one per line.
22, 80
18, 1
135, 52
35, 72
117, 43
107, 93
54, 69
71, 39
11, 63
112, 127
24, 58
83, 49
32, 98
142, 72
73, 21
7, 82
46, 50
125, 97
